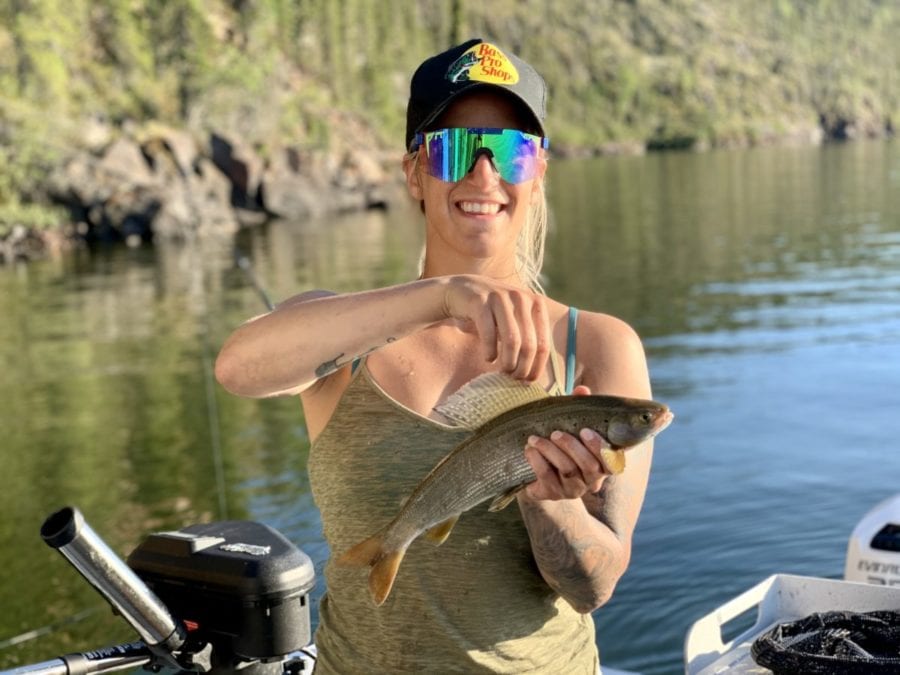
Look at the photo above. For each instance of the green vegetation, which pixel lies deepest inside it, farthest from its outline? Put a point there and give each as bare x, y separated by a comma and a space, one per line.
632, 73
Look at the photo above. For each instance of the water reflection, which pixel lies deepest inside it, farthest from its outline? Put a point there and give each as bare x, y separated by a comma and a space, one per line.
355, 251
685, 244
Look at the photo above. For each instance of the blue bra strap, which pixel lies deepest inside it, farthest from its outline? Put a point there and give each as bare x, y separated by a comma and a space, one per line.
570, 350
355, 365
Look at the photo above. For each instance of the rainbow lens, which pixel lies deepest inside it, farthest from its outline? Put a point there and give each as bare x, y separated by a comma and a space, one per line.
451, 153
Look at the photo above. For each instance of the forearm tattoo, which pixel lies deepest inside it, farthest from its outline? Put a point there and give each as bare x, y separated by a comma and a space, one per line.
337, 363
576, 559
572, 561
329, 367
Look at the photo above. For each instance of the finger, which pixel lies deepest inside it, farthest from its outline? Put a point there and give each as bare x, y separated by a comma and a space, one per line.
612, 460
569, 473
543, 339
487, 332
596, 444
590, 466
523, 304
509, 339
545, 473
581, 390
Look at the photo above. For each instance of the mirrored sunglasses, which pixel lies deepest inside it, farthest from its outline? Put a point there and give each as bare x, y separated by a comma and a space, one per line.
449, 154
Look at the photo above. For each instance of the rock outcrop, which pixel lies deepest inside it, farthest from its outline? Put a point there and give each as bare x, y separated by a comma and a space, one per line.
166, 183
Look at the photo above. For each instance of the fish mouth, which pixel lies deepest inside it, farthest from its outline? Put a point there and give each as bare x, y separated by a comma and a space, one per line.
665, 419
662, 421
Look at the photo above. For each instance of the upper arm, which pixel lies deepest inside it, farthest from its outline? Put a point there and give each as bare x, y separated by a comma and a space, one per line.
611, 357
299, 299
294, 300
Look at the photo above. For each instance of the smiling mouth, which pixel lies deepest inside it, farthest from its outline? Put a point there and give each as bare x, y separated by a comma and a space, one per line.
480, 208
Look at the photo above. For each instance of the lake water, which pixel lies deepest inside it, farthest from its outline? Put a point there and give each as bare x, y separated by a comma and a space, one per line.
765, 282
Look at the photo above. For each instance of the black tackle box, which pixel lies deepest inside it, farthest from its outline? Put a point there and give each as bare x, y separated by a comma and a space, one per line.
238, 584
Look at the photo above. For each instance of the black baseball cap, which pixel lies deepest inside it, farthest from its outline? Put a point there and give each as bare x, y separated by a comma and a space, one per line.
439, 80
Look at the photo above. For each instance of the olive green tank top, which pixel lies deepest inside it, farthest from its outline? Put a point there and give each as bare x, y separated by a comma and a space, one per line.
475, 604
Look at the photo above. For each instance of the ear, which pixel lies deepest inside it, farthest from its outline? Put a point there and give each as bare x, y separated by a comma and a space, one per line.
537, 184
413, 177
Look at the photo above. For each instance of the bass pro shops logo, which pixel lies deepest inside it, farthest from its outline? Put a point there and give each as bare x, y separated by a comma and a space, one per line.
483, 63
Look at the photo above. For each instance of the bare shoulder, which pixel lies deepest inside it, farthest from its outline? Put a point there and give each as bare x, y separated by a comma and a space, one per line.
610, 356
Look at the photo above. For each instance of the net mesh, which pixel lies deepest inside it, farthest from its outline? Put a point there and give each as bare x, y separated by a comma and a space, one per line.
836, 643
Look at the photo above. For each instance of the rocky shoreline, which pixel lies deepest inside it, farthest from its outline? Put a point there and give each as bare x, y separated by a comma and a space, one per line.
140, 184
162, 182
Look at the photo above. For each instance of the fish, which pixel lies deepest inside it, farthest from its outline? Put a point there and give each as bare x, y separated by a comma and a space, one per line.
502, 413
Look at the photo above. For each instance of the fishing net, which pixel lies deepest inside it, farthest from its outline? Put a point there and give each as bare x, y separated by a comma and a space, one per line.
836, 643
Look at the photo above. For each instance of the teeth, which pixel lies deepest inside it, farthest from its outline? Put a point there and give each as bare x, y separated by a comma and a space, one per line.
480, 207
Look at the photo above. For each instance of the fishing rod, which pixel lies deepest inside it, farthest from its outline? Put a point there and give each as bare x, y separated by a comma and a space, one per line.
243, 262
212, 407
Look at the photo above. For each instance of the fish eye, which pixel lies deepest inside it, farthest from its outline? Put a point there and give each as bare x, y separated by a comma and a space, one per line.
647, 417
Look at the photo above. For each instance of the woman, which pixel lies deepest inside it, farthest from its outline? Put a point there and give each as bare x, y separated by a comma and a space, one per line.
508, 591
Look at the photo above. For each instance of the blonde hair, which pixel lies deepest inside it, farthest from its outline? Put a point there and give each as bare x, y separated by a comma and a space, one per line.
532, 242
530, 245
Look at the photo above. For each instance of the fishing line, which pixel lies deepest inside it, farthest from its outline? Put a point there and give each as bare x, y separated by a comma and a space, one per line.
212, 405
243, 262
212, 414
29, 635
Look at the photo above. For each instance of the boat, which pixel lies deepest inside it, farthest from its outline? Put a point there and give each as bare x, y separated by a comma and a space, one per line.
240, 591
871, 583
233, 574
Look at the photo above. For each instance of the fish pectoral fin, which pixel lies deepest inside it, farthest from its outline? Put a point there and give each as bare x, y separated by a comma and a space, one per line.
613, 459
504, 500
438, 534
384, 571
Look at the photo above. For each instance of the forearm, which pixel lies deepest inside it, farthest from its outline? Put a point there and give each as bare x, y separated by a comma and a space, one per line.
580, 557
297, 343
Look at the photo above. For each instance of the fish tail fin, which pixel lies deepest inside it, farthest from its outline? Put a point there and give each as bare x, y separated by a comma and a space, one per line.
364, 554
384, 564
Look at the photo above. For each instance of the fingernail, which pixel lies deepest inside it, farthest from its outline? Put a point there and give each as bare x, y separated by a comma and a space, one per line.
556, 435
589, 435
533, 440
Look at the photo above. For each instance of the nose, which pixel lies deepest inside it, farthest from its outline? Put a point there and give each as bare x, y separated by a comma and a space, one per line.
483, 170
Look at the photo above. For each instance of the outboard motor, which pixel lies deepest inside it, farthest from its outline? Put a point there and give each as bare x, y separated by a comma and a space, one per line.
241, 585
873, 554
226, 598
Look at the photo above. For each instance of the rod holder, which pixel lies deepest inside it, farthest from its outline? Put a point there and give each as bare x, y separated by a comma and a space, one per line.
68, 532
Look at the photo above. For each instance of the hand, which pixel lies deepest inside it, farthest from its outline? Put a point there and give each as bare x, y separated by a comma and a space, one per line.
512, 323
567, 467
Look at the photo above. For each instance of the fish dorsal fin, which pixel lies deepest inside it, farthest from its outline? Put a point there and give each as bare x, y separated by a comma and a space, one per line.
487, 396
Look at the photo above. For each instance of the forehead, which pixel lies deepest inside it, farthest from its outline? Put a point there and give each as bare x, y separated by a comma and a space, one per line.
485, 108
